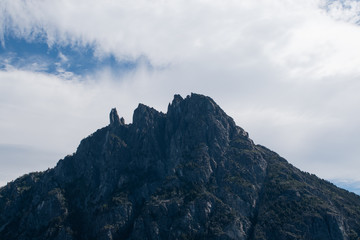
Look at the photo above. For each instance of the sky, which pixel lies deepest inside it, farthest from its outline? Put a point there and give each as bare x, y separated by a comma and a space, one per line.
287, 71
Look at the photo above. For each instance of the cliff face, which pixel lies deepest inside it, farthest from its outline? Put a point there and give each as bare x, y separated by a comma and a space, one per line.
188, 174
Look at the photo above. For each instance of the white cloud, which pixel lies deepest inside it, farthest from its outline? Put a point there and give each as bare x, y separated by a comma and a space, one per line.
345, 10
298, 35
287, 71
63, 58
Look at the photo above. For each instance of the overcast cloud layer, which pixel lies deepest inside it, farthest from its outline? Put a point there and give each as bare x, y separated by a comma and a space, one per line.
287, 71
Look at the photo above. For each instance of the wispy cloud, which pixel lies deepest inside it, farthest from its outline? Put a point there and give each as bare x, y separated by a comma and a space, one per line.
343, 10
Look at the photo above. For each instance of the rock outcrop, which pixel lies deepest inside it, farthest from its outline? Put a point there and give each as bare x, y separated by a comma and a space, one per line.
188, 174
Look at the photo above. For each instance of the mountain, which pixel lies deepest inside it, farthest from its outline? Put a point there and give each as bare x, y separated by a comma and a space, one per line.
188, 174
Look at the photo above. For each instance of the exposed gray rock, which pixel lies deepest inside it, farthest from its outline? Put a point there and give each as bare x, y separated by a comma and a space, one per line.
188, 174
114, 118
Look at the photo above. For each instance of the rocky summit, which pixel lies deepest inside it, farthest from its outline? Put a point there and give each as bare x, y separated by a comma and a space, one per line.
188, 174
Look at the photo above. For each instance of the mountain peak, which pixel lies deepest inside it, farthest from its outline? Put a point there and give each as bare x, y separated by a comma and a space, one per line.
144, 115
114, 118
195, 102
195, 106
188, 174
177, 99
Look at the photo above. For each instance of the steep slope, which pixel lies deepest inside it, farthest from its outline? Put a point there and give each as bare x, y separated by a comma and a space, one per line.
188, 174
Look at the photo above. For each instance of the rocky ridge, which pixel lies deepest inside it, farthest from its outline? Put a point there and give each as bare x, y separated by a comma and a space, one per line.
188, 174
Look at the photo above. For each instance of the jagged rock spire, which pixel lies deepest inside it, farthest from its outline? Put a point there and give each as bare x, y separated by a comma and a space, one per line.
114, 118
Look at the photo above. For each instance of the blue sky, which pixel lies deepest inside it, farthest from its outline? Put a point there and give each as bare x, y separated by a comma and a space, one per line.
37, 55
285, 70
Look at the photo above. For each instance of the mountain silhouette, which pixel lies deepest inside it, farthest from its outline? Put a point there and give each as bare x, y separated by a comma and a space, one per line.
191, 173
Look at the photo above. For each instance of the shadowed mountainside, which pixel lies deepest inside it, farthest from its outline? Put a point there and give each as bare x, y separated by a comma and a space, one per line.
188, 174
